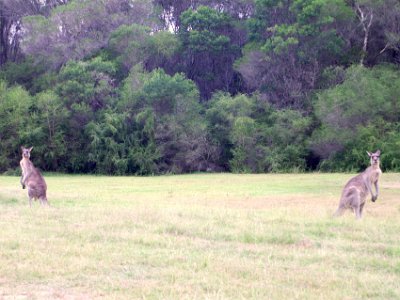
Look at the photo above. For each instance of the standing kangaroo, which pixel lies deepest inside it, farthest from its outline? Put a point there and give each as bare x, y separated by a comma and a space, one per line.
356, 190
32, 178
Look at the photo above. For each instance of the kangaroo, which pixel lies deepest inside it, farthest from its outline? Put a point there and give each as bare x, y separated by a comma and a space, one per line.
357, 188
32, 178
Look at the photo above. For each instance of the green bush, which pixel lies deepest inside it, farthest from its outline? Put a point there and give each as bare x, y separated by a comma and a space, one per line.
361, 114
16, 124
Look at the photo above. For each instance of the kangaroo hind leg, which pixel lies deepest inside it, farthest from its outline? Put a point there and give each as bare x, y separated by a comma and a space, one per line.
361, 208
357, 206
31, 196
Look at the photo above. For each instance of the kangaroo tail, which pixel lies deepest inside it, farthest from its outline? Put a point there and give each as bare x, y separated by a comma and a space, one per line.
44, 201
339, 212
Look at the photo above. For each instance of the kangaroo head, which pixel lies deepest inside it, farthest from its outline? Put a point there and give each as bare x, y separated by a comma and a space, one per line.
374, 157
26, 152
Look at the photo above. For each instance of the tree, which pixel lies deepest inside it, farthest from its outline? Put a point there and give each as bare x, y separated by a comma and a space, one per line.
26, 73
365, 16
357, 115
390, 15
255, 137
243, 137
284, 141
130, 45
79, 29
86, 90
109, 146
171, 10
11, 25
291, 42
16, 125
51, 117
380, 36
209, 48
166, 111
228, 119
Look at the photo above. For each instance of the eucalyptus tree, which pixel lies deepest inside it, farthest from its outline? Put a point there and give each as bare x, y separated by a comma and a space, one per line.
379, 30
86, 90
131, 45
390, 18
80, 28
51, 120
253, 136
171, 10
11, 26
210, 44
232, 129
169, 132
290, 43
16, 124
360, 113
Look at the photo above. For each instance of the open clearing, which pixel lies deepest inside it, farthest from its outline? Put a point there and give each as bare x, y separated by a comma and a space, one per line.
204, 236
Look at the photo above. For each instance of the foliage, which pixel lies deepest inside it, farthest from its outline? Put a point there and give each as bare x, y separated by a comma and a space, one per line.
209, 46
79, 28
291, 42
16, 126
85, 90
221, 117
152, 87
257, 138
359, 115
167, 111
132, 45
51, 117
26, 73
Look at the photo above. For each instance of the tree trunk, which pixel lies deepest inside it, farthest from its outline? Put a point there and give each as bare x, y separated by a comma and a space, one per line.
365, 15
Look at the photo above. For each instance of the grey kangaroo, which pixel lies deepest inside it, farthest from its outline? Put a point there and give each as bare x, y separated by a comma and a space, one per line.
357, 188
32, 178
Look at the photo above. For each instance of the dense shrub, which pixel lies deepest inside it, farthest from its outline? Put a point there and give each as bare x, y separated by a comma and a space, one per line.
361, 114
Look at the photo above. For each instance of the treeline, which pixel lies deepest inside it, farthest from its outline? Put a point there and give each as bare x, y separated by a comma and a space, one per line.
152, 87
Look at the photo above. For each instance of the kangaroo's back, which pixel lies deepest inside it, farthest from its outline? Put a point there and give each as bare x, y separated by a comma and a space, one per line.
357, 182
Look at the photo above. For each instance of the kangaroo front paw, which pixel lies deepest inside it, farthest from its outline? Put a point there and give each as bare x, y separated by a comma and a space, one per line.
374, 198
23, 186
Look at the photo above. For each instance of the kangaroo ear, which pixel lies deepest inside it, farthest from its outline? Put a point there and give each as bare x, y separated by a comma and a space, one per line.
30, 149
369, 154
378, 152
22, 148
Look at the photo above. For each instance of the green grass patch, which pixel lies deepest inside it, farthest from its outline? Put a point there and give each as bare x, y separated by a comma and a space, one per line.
203, 236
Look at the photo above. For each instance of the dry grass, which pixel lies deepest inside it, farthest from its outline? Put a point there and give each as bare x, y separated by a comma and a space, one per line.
219, 236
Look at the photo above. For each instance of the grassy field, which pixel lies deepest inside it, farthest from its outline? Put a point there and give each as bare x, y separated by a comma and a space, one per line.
205, 236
